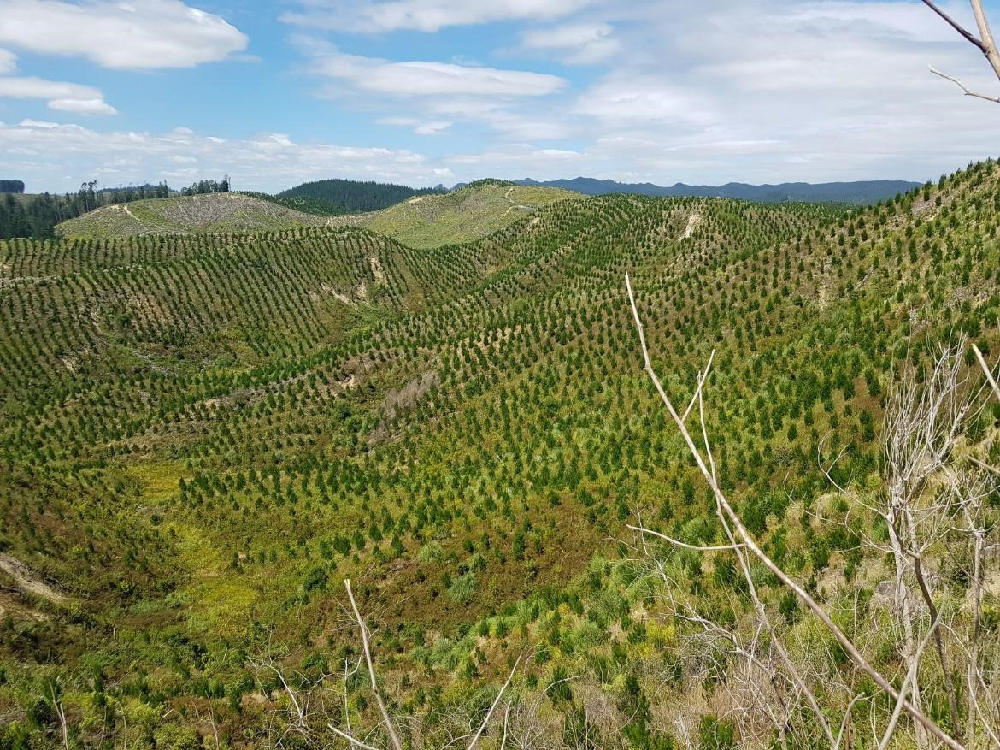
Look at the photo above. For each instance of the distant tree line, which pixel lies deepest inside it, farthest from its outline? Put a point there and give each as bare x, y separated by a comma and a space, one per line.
353, 196
202, 187
11, 186
36, 216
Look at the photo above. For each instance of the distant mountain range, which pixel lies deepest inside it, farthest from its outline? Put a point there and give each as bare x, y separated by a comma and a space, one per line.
863, 192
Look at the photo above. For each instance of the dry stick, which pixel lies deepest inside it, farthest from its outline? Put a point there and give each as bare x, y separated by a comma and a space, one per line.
506, 716
61, 714
938, 645
911, 678
678, 543
987, 371
977, 575
353, 740
496, 702
371, 668
744, 534
965, 89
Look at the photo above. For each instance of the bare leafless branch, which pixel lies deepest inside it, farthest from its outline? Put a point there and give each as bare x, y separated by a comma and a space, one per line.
678, 543
985, 43
371, 669
966, 34
965, 89
486, 719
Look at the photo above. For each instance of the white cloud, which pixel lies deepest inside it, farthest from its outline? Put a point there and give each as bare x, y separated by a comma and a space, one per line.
420, 127
69, 97
419, 78
93, 106
424, 15
644, 98
131, 35
8, 62
577, 43
47, 151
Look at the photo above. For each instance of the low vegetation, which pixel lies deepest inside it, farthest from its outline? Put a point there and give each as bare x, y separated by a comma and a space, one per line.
473, 212
202, 436
208, 212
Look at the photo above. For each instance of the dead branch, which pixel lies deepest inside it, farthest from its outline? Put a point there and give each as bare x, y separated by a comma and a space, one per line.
728, 516
965, 89
985, 43
486, 719
371, 669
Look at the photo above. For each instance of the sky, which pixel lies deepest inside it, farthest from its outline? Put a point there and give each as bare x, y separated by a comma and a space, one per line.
425, 92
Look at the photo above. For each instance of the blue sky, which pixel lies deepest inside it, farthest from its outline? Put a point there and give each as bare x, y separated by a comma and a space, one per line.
439, 91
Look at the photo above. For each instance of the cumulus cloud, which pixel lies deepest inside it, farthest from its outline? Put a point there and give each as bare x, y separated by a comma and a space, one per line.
69, 97
419, 78
770, 90
269, 161
576, 44
138, 34
424, 15
631, 98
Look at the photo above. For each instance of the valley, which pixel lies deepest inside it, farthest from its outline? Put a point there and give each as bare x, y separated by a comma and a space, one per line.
215, 411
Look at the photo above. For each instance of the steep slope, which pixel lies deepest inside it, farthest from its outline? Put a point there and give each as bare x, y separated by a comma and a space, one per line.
464, 432
475, 211
211, 212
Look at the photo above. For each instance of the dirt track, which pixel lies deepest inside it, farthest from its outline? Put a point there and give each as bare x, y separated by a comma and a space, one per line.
28, 581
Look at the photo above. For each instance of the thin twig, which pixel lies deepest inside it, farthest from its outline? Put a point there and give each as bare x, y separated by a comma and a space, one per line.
353, 740
684, 545
486, 719
966, 89
371, 669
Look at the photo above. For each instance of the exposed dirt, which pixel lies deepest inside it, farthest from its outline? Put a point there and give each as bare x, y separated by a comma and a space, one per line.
28, 581
692, 223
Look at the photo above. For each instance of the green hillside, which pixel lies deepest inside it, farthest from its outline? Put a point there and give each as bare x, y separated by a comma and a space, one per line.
202, 436
210, 212
475, 211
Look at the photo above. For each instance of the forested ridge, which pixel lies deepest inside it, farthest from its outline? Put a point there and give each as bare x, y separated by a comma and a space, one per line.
354, 196
203, 436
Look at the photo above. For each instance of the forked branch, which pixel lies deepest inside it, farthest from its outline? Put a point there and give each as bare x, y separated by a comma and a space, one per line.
984, 42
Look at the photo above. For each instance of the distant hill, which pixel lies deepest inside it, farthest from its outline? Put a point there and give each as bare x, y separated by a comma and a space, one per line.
466, 214
353, 196
211, 212
857, 193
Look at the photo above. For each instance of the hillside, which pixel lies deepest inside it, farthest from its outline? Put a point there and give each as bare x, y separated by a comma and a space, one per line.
211, 212
475, 211
354, 196
203, 436
862, 192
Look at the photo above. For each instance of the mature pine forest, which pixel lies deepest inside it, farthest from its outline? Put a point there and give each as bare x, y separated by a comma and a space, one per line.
202, 436
353, 196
